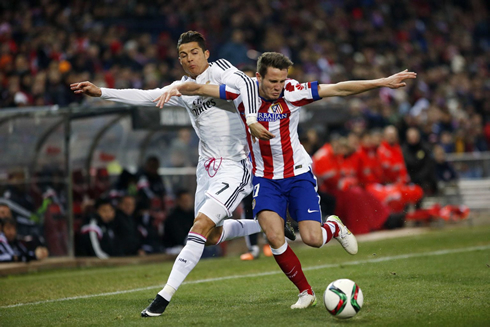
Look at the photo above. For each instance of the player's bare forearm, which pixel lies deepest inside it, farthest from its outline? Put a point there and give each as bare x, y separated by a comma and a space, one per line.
187, 88
191, 88
354, 87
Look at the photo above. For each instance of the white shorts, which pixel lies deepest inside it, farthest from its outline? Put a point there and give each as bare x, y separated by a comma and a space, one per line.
225, 183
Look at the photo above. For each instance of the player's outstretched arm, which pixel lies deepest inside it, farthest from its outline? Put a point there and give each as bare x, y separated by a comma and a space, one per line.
354, 87
134, 97
86, 88
187, 88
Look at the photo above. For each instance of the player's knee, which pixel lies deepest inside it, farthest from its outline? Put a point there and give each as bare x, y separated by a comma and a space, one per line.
312, 239
202, 225
276, 239
214, 236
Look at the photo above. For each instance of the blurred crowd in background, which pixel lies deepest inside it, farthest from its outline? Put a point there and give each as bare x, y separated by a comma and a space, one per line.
46, 45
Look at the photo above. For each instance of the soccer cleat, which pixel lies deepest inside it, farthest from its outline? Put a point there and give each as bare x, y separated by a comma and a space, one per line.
248, 256
289, 231
345, 237
267, 250
254, 252
156, 308
305, 300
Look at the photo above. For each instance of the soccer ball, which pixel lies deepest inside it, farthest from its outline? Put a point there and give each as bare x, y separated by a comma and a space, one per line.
343, 298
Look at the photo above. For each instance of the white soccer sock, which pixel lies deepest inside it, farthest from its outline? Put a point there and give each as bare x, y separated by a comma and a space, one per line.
183, 265
233, 228
325, 236
280, 250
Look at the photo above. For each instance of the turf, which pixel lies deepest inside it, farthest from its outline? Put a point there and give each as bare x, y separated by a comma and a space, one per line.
441, 278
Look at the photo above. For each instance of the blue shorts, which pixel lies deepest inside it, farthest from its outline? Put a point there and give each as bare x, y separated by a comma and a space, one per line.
297, 194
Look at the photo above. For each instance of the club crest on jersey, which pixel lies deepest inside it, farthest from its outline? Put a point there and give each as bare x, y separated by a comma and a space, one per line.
275, 112
276, 108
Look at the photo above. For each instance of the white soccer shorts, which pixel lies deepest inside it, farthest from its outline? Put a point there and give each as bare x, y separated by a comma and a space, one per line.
225, 183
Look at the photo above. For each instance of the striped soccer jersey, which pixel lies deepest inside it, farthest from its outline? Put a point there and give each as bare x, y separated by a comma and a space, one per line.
216, 122
282, 156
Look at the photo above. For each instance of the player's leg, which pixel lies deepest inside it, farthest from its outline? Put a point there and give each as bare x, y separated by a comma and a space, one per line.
304, 207
270, 203
231, 184
251, 240
187, 259
273, 226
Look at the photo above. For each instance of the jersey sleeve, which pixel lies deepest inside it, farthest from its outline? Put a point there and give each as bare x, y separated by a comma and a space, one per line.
226, 73
228, 93
300, 94
137, 97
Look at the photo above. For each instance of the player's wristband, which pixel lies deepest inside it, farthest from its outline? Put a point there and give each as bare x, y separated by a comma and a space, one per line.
251, 120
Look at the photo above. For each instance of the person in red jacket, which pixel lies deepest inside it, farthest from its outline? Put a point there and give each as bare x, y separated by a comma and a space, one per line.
396, 190
391, 158
326, 166
336, 166
370, 170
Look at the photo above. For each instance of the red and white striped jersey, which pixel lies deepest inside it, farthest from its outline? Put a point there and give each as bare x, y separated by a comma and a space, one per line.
282, 156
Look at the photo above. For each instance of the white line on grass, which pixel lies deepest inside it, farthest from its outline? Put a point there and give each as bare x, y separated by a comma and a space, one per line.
350, 263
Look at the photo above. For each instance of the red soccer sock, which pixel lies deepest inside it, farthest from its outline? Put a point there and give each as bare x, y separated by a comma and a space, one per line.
290, 265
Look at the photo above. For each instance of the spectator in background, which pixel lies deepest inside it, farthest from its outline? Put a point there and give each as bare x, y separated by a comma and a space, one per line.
126, 184
5, 211
391, 158
447, 142
17, 197
178, 223
183, 153
235, 50
125, 226
150, 229
310, 141
18, 250
336, 167
357, 121
151, 190
6, 252
419, 162
98, 235
444, 170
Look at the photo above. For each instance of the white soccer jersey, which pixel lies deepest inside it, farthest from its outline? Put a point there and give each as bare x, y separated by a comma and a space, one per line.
216, 122
282, 156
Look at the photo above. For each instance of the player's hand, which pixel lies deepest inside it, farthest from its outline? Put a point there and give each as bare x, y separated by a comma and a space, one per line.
86, 88
172, 91
396, 81
260, 132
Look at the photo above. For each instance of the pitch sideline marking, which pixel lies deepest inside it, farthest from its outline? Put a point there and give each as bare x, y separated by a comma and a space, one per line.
350, 263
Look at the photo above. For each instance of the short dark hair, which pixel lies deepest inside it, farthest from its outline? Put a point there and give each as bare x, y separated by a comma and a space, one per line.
272, 59
102, 201
192, 36
9, 221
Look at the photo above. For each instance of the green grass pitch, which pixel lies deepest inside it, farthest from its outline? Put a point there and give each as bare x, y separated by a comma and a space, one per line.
441, 278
